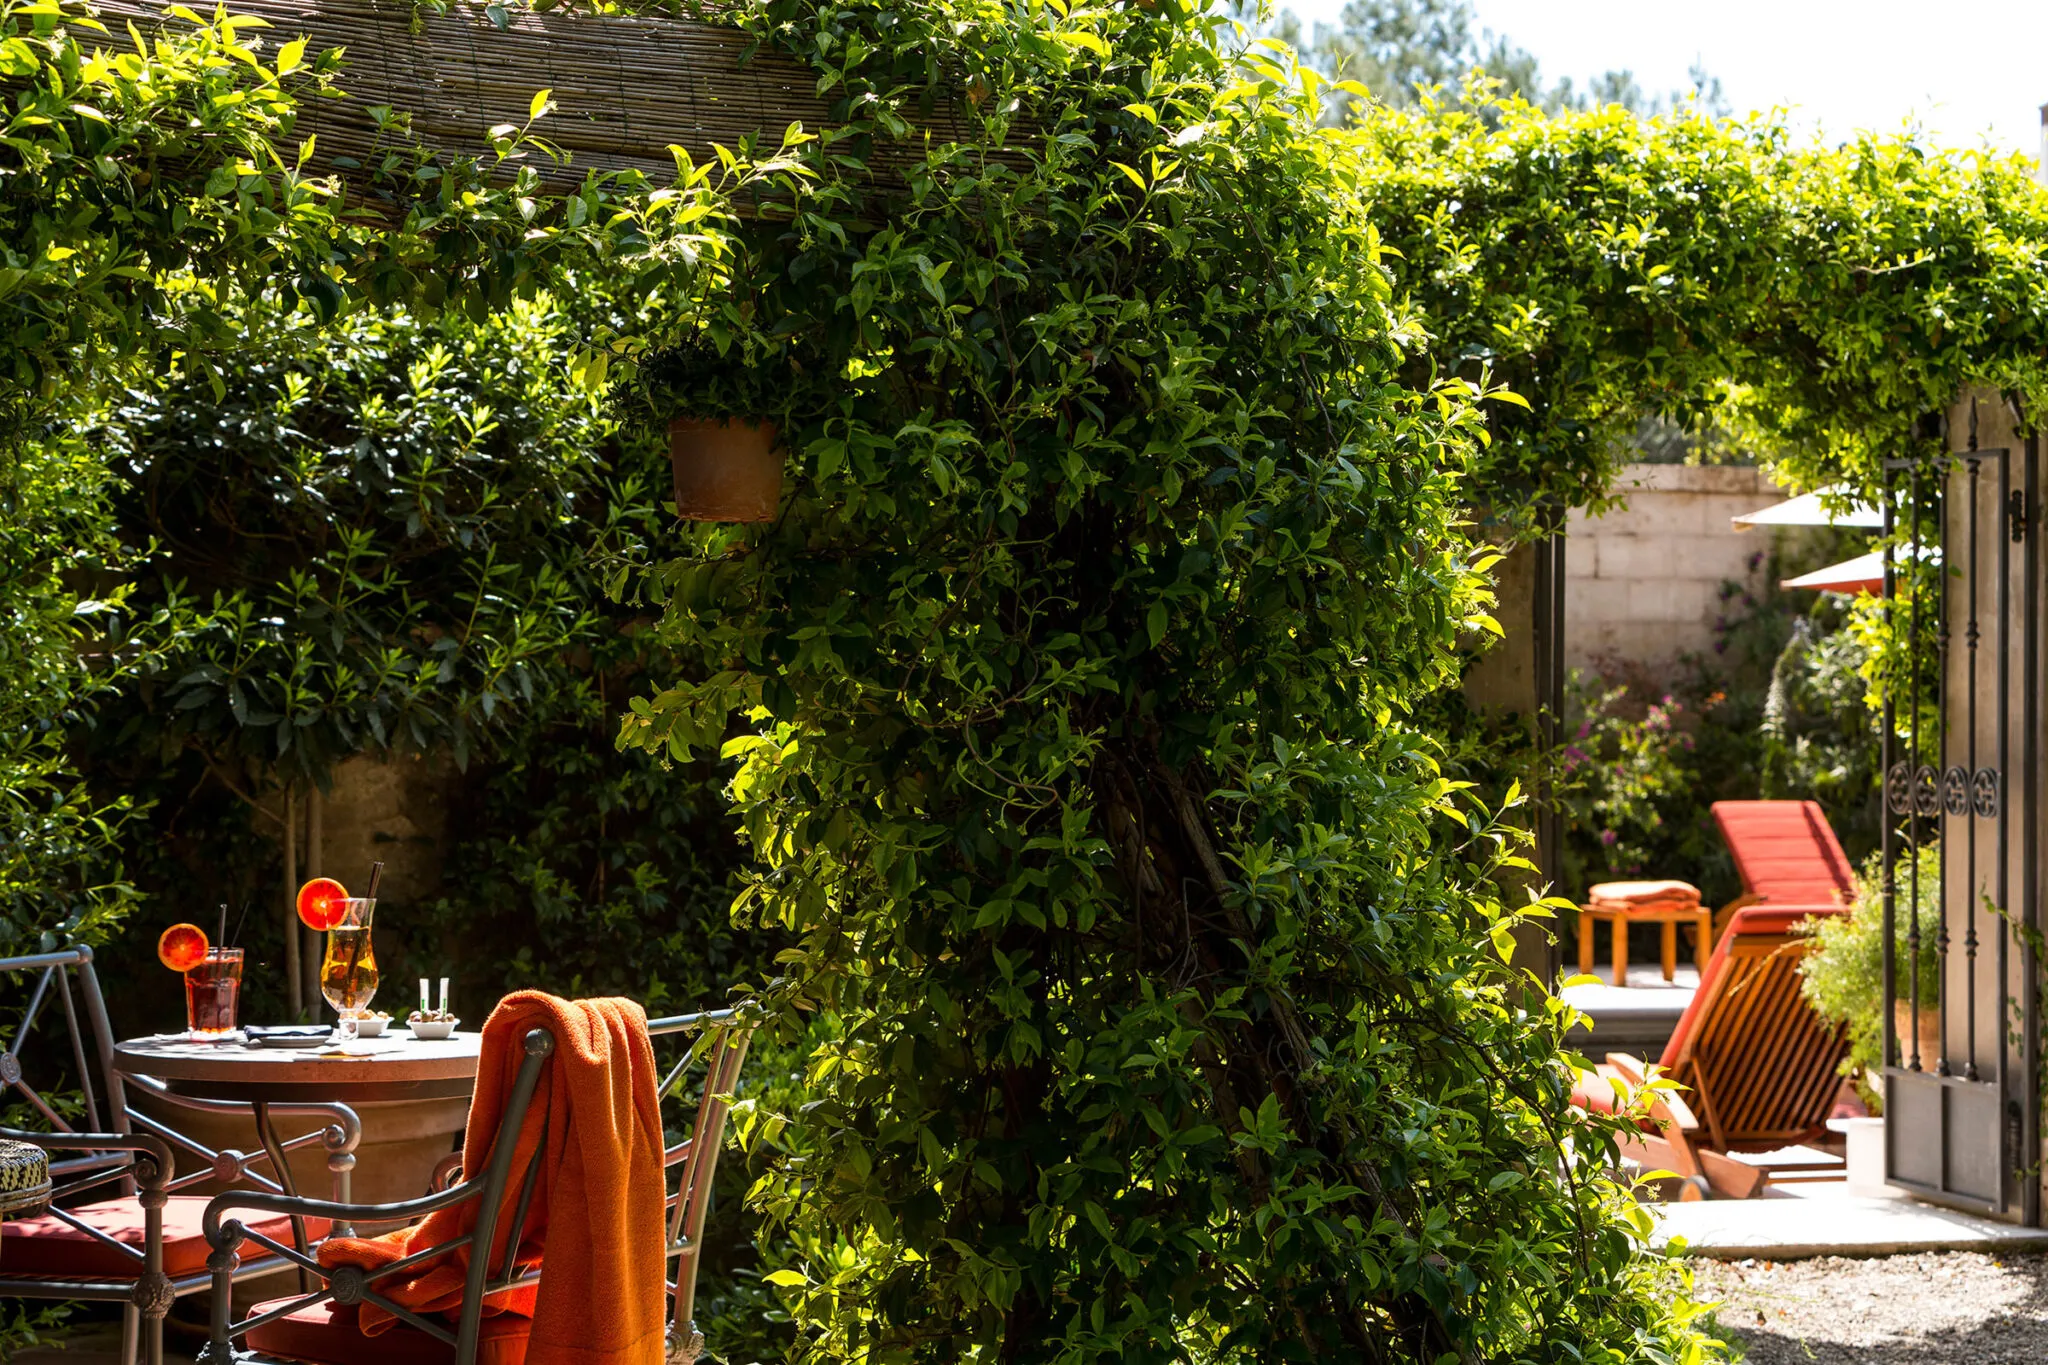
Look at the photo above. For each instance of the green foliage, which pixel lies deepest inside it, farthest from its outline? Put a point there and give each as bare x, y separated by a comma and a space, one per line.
151, 199
128, 173
1173, 1016
1618, 776
1842, 975
1819, 302
27, 1323
60, 872
153, 190
383, 539
372, 538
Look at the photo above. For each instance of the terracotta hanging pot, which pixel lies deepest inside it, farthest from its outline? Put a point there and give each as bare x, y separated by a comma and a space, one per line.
727, 468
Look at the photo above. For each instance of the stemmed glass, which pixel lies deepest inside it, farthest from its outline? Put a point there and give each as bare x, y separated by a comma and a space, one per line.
348, 970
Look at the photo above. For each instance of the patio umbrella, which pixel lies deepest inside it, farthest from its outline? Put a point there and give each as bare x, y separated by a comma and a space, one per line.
1863, 574
1806, 510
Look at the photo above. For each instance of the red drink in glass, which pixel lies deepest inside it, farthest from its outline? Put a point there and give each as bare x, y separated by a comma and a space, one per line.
213, 990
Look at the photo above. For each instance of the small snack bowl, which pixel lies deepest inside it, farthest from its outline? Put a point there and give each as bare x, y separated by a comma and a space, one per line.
371, 1025
433, 1030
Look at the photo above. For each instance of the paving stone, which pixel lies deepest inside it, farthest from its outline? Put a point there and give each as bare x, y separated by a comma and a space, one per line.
1794, 1228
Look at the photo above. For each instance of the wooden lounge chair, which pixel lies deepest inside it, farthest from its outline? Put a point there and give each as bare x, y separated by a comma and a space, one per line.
1786, 854
1758, 1065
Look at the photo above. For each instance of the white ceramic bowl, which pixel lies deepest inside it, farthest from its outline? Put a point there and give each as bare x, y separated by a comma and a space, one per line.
434, 1033
371, 1026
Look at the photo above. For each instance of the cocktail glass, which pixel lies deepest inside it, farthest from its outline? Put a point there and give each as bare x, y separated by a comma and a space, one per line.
213, 992
348, 970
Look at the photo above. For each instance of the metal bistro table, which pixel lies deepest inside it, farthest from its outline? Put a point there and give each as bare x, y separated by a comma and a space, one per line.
396, 1066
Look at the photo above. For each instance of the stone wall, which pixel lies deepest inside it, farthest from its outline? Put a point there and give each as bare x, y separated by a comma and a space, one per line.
1643, 583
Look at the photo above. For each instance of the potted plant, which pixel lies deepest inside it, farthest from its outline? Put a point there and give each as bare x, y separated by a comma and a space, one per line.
724, 437
1843, 974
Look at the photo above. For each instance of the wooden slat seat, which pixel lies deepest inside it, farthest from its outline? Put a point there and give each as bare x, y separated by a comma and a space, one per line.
1759, 1066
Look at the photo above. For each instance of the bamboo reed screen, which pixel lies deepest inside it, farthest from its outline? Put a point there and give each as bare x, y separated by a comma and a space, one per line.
625, 87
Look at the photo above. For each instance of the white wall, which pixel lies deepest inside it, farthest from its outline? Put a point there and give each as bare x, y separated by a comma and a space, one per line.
1643, 583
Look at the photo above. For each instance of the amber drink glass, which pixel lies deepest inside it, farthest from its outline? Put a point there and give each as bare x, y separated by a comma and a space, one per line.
348, 969
213, 993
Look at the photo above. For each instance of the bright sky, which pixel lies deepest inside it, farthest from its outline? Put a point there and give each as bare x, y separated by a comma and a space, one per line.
1971, 70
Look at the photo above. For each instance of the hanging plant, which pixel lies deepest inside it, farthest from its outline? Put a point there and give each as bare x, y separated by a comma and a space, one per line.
726, 468
725, 421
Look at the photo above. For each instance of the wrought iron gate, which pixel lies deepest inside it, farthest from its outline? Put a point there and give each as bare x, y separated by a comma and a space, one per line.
1962, 759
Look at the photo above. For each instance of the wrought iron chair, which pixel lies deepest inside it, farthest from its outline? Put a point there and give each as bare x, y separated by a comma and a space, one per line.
116, 1229
321, 1327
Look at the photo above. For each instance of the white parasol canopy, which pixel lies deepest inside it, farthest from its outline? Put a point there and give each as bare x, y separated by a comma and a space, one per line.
1806, 510
1863, 574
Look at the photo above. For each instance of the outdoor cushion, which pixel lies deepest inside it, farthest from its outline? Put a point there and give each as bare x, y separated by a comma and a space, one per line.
1644, 893
46, 1247
1627, 909
1785, 851
326, 1334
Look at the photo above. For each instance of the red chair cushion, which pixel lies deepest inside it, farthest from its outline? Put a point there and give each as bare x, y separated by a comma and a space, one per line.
1644, 893
326, 1334
1785, 851
46, 1247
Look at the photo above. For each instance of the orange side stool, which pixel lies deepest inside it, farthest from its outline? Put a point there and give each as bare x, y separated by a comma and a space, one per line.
1665, 903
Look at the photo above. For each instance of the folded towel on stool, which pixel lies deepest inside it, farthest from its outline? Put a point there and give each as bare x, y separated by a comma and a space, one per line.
1640, 895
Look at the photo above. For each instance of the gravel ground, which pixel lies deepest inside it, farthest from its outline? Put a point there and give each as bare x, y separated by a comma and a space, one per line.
1938, 1308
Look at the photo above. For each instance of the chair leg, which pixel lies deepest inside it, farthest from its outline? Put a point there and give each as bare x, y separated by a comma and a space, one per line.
1670, 947
1621, 950
1588, 928
131, 1333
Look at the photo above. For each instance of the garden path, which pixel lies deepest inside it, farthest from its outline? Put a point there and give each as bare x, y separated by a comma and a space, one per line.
1930, 1308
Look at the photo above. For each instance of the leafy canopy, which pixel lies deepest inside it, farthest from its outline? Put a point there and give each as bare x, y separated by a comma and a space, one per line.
1173, 1015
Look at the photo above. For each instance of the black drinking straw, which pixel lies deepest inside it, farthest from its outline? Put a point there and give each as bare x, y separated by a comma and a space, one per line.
222, 942
241, 920
355, 947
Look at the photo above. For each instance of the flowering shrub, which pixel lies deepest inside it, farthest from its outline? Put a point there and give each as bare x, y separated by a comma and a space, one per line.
1619, 776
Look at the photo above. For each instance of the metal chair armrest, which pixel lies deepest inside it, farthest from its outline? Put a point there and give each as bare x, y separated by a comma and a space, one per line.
348, 1128
263, 1201
155, 1148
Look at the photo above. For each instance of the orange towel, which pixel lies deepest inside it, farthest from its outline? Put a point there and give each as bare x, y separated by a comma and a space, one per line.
598, 1201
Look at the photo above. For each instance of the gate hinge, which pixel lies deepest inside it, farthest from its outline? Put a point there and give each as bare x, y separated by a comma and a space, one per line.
2016, 514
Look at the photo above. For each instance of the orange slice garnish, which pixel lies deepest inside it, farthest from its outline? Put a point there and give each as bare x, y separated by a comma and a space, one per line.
322, 903
182, 947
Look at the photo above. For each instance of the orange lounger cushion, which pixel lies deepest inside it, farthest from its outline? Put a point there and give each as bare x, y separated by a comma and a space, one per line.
1786, 852
1644, 893
48, 1246
327, 1334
